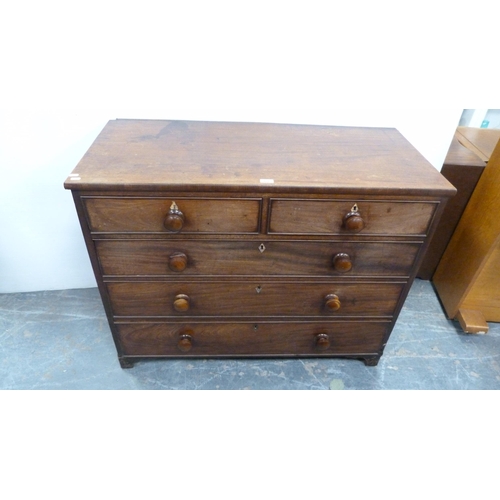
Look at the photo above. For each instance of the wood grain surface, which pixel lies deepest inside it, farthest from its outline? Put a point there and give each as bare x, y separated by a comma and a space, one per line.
247, 339
463, 168
479, 140
326, 216
148, 214
255, 257
476, 237
160, 154
253, 298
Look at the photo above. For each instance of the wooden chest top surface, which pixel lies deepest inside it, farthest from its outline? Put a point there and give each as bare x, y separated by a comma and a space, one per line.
460, 154
482, 141
220, 156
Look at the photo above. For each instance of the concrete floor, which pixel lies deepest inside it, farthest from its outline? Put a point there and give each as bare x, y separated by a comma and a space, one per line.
61, 340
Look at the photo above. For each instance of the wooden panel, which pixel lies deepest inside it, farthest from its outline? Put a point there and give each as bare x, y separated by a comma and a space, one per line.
326, 217
481, 141
484, 295
472, 321
240, 339
253, 298
473, 240
460, 154
462, 168
148, 214
236, 258
159, 154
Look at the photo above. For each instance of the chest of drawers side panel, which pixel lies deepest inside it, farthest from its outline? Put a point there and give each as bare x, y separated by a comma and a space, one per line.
432, 226
94, 261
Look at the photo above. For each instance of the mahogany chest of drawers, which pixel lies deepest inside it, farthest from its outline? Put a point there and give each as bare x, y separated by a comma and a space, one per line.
211, 239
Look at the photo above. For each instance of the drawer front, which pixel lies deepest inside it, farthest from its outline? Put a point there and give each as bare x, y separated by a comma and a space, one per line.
247, 258
145, 215
328, 217
253, 298
240, 339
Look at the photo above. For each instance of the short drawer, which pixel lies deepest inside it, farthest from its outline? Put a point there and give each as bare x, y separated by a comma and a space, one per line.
365, 217
253, 298
247, 339
148, 215
251, 258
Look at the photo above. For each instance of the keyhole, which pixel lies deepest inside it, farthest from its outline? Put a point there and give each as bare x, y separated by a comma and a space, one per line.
262, 247
258, 289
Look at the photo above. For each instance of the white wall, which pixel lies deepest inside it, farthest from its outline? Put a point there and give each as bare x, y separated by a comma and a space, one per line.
68, 67
485, 118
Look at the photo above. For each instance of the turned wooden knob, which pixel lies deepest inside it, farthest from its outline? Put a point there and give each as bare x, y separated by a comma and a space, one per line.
174, 220
353, 221
181, 303
332, 302
342, 262
185, 341
322, 341
177, 261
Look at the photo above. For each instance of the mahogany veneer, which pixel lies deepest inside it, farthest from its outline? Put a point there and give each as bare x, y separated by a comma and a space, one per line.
245, 239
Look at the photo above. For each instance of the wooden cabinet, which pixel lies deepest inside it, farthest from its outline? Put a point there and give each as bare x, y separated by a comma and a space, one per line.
245, 239
467, 278
463, 168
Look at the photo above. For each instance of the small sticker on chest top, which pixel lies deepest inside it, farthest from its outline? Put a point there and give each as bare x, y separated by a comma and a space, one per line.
267, 181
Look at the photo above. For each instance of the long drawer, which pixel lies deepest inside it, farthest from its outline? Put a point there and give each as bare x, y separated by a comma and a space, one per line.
147, 215
240, 339
251, 258
254, 298
289, 216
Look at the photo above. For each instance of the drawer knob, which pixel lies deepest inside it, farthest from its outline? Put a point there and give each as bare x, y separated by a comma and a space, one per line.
332, 302
174, 219
177, 261
353, 221
185, 341
181, 303
322, 341
342, 262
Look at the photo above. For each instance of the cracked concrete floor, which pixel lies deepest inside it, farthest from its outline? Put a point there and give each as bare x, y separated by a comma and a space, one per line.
61, 340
